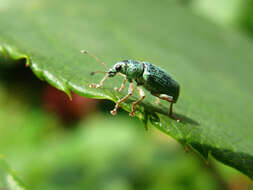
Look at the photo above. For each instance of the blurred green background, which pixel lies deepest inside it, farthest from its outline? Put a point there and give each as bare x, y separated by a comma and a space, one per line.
55, 144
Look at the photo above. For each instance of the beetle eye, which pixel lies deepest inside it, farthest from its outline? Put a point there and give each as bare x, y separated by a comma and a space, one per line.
118, 68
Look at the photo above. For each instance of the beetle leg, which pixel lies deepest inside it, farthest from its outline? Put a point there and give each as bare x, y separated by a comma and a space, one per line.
169, 99
130, 93
100, 83
157, 101
122, 85
171, 112
142, 96
165, 97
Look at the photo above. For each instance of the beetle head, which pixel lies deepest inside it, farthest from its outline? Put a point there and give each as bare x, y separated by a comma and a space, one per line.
119, 67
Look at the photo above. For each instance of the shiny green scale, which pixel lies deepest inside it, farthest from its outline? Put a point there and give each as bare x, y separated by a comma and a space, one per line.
154, 79
158, 81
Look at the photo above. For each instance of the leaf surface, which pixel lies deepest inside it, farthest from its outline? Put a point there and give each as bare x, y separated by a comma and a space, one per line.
8, 181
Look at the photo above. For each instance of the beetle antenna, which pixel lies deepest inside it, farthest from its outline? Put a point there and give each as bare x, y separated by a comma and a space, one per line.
93, 73
92, 55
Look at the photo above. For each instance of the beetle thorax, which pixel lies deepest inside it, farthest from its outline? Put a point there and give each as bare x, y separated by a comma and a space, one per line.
134, 69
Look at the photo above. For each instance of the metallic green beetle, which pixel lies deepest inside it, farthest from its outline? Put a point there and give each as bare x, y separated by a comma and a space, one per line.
154, 79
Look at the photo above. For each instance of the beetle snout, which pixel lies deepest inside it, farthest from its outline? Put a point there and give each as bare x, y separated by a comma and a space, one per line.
111, 73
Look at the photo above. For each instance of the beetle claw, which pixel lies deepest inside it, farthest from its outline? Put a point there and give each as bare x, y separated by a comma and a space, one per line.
131, 114
114, 112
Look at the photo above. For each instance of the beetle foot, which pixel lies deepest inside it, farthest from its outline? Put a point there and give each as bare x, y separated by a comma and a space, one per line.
94, 85
173, 117
114, 112
131, 114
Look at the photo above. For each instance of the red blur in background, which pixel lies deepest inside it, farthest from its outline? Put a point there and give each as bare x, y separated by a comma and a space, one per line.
59, 103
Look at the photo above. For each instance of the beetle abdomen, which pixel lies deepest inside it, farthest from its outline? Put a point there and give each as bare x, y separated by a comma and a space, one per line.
158, 81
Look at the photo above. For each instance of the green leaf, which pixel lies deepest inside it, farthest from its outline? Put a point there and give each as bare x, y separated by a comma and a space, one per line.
8, 180
213, 65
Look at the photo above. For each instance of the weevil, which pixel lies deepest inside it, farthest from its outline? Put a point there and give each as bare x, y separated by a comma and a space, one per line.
154, 79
